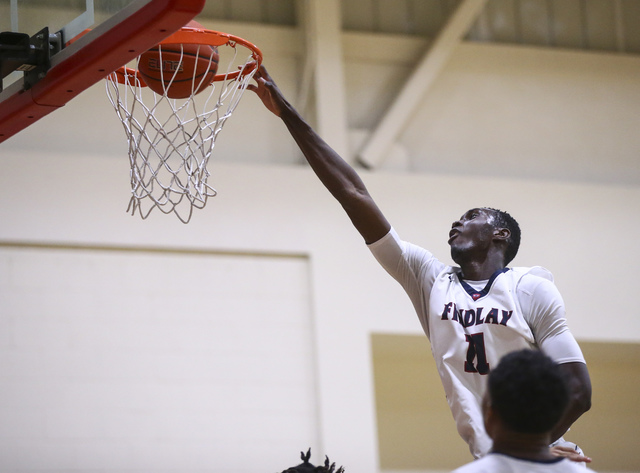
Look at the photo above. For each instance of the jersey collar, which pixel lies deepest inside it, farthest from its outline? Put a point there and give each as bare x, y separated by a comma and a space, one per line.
475, 295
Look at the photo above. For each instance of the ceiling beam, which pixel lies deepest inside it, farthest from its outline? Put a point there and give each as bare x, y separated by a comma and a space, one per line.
420, 81
323, 71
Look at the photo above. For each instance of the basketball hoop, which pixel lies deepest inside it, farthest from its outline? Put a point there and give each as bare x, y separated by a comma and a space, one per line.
171, 139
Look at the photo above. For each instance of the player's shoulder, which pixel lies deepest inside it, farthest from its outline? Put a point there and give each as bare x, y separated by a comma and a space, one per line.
578, 467
472, 467
489, 462
532, 272
529, 280
495, 462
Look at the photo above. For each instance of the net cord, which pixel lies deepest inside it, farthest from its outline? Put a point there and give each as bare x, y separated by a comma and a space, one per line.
170, 141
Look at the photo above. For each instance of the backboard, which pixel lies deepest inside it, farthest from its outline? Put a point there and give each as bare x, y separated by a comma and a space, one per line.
85, 41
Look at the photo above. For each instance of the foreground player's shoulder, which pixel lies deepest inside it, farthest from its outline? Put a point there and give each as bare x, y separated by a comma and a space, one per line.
497, 462
493, 462
580, 467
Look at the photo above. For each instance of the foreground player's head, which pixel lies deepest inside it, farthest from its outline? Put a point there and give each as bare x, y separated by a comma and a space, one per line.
481, 228
526, 393
307, 467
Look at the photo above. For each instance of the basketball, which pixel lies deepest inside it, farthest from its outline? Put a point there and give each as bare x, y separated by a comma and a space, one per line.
179, 69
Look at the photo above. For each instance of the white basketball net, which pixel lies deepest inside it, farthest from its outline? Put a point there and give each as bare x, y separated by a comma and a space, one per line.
171, 140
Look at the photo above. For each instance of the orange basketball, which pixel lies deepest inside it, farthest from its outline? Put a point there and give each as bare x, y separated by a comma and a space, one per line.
181, 69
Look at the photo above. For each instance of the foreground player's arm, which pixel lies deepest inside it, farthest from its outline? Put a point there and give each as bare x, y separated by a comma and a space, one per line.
336, 175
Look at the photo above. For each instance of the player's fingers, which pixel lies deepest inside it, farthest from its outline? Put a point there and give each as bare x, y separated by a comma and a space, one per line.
262, 72
569, 453
252, 65
259, 83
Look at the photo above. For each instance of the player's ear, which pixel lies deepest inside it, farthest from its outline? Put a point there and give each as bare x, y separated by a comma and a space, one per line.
501, 233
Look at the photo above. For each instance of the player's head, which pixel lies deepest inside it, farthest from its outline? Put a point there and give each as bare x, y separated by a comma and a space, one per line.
481, 229
504, 220
527, 392
307, 467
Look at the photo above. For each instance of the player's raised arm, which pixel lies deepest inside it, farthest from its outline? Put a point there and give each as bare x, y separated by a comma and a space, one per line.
335, 173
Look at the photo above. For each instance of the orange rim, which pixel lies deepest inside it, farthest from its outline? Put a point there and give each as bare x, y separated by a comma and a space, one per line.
189, 35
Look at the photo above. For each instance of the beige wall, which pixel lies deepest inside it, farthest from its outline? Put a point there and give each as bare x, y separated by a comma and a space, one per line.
415, 427
65, 181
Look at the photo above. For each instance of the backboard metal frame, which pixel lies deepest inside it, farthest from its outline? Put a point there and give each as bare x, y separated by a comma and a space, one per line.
89, 59
75, 27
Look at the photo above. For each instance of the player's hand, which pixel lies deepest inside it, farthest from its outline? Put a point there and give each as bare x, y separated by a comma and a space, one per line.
268, 91
570, 453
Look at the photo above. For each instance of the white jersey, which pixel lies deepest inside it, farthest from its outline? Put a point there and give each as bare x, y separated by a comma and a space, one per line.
499, 463
471, 325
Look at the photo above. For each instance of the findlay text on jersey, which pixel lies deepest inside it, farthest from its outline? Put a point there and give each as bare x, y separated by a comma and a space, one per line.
470, 317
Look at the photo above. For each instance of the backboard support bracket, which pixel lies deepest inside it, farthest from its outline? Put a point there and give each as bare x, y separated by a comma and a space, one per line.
82, 63
32, 55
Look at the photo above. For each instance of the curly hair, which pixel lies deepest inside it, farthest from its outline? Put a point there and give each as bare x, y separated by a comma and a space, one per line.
528, 391
306, 467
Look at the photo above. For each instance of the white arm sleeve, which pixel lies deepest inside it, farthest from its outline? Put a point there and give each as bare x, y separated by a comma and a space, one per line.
412, 266
563, 348
544, 309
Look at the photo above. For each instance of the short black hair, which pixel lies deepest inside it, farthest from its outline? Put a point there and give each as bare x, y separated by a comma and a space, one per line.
306, 467
504, 220
528, 391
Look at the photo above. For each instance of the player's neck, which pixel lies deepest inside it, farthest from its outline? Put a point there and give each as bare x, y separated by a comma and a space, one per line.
480, 270
478, 266
525, 446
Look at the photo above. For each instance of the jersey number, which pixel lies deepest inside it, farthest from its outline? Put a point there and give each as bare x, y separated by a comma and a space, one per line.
477, 353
